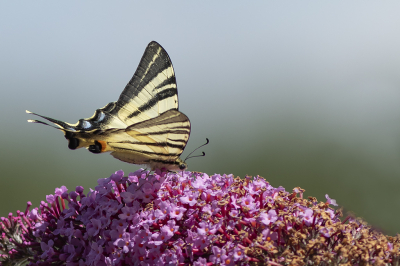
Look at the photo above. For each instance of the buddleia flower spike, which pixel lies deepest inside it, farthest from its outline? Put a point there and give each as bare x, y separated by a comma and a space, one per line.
189, 218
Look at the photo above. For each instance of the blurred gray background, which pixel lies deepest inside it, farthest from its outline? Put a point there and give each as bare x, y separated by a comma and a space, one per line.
303, 93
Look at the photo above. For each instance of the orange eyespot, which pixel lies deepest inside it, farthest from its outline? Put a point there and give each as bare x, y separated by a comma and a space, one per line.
103, 145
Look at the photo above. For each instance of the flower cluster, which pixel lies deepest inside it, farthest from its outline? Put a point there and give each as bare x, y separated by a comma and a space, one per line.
189, 218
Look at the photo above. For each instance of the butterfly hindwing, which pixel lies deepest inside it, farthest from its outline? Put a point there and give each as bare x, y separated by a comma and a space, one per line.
144, 126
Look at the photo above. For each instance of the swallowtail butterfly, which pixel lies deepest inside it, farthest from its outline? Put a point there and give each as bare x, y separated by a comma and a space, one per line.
144, 126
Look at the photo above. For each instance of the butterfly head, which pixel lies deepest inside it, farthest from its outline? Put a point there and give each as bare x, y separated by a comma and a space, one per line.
182, 165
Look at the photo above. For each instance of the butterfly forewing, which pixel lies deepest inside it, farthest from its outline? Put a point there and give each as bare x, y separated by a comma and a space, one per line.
152, 89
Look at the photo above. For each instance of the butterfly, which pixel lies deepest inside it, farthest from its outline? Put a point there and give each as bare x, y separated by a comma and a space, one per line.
144, 126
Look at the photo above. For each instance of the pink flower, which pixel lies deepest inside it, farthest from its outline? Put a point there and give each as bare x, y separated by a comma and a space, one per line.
176, 212
330, 201
268, 218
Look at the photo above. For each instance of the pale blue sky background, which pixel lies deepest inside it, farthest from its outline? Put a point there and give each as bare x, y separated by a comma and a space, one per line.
303, 93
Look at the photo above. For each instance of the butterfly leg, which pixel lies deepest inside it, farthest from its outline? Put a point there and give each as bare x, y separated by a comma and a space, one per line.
148, 173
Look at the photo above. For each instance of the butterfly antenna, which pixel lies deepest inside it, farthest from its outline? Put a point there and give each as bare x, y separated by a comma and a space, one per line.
188, 157
203, 154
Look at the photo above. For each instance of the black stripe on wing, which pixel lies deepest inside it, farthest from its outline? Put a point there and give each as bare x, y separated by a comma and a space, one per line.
169, 81
149, 152
154, 61
179, 140
154, 144
168, 117
163, 161
167, 93
183, 132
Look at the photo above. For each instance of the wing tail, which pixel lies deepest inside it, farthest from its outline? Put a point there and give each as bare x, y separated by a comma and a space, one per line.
61, 125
